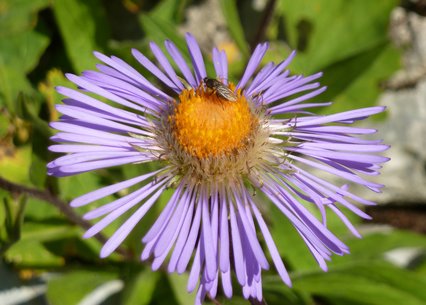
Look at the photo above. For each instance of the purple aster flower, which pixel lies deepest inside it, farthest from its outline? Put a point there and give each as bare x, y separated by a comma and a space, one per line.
216, 142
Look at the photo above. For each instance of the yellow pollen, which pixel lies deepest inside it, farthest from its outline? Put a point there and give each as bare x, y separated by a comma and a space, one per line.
206, 125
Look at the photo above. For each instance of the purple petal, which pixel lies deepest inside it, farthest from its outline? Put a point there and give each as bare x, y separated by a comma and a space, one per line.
210, 254
196, 265
332, 154
164, 62
86, 117
251, 236
183, 236
91, 102
218, 64
190, 242
276, 258
124, 208
122, 232
224, 234
345, 220
95, 139
345, 175
237, 248
84, 83
109, 190
226, 283
167, 239
180, 62
129, 71
258, 84
89, 166
338, 198
196, 57
75, 148
165, 215
346, 147
284, 107
110, 207
224, 65
347, 115
253, 63
265, 79
123, 90
89, 156
151, 67
171, 229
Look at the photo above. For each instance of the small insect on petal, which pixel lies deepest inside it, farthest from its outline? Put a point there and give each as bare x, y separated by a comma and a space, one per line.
221, 90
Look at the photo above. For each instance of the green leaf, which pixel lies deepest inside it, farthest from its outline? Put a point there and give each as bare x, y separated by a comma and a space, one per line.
83, 28
39, 210
19, 56
421, 268
3, 197
18, 15
23, 50
28, 109
53, 79
341, 75
348, 41
30, 249
373, 246
74, 248
230, 12
141, 288
37, 171
74, 186
48, 230
28, 253
357, 80
289, 242
4, 124
158, 30
276, 292
330, 31
178, 283
13, 213
72, 287
14, 165
372, 283
169, 10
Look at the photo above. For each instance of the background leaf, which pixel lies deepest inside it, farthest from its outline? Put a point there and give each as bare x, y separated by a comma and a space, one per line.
230, 12
178, 284
141, 287
81, 283
346, 40
366, 284
18, 57
83, 28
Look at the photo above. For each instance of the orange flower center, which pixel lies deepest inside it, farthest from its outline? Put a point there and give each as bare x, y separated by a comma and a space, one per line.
206, 125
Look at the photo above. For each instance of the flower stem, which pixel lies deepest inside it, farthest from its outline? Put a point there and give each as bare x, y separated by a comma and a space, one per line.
263, 24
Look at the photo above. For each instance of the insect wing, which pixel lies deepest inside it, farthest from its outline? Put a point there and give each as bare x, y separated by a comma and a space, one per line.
226, 93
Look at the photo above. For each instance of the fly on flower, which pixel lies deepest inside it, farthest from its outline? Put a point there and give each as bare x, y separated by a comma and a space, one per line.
213, 155
220, 89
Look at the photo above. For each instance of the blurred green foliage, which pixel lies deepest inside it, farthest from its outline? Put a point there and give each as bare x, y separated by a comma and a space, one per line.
42, 39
